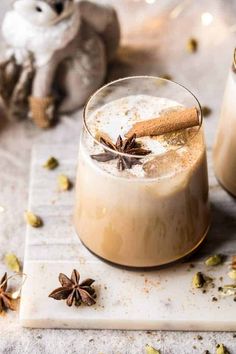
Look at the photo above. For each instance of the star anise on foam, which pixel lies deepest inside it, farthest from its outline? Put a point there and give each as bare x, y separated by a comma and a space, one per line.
74, 292
128, 146
6, 301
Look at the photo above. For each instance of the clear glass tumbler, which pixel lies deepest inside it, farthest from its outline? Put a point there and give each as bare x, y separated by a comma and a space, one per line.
136, 207
224, 155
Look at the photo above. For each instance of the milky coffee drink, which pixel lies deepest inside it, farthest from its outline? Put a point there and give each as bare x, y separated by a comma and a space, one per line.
140, 211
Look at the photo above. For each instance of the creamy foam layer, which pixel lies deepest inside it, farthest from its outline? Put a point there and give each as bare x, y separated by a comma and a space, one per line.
170, 153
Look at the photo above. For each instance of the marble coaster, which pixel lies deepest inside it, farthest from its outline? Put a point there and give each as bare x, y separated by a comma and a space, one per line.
158, 299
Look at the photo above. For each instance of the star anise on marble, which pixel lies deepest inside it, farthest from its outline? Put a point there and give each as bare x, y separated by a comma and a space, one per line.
128, 146
6, 301
73, 291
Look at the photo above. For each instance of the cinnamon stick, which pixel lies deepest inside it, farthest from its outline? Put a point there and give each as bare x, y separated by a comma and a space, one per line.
167, 122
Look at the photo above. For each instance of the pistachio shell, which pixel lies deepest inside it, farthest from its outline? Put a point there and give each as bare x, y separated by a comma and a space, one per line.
64, 183
232, 274
214, 260
221, 349
198, 280
12, 262
32, 219
151, 350
51, 163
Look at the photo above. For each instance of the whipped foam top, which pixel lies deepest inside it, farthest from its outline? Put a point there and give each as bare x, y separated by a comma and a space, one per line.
117, 118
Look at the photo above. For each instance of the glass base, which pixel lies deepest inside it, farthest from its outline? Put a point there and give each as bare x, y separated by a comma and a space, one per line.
152, 267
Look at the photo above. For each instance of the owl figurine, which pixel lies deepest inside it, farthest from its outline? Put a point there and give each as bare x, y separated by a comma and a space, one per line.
57, 52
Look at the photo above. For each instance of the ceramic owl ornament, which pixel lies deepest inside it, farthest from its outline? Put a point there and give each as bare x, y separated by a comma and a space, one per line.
56, 57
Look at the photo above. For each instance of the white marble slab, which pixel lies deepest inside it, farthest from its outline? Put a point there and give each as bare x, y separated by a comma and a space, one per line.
160, 299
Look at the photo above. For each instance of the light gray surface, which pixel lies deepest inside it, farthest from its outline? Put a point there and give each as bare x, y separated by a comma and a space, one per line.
152, 44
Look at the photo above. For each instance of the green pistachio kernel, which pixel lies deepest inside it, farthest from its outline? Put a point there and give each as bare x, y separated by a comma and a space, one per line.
64, 183
214, 260
12, 262
32, 219
221, 349
192, 45
198, 280
51, 163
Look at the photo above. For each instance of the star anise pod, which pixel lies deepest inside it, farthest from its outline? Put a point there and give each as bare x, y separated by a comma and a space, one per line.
6, 301
74, 292
127, 146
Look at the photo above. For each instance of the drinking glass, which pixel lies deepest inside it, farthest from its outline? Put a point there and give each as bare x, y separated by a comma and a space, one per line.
225, 145
156, 211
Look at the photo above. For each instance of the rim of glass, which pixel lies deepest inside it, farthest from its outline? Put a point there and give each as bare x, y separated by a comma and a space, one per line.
118, 153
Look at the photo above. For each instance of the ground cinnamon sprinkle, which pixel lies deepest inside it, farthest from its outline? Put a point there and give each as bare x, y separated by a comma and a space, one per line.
166, 123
